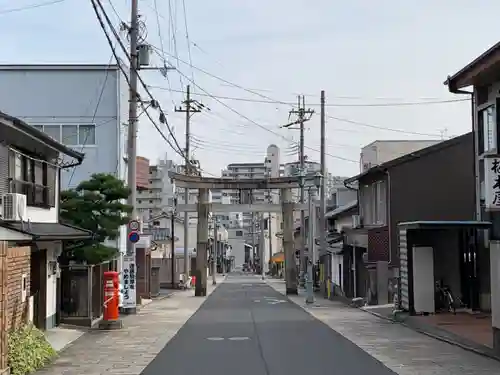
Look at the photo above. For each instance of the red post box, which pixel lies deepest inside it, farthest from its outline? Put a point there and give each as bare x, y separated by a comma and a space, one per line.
111, 296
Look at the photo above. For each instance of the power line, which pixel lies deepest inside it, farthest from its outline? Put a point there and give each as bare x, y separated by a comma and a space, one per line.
29, 7
260, 125
274, 102
153, 102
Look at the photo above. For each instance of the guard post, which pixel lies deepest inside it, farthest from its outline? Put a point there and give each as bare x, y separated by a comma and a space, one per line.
111, 316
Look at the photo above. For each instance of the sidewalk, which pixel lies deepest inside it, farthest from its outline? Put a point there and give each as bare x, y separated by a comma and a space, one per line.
400, 348
129, 350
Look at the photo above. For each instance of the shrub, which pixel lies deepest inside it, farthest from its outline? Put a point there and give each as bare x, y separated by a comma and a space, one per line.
29, 350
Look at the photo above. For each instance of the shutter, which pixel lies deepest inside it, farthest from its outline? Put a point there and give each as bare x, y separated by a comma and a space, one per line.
4, 169
51, 185
404, 298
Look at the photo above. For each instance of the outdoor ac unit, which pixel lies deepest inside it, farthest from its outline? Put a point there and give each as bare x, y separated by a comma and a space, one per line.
14, 207
356, 221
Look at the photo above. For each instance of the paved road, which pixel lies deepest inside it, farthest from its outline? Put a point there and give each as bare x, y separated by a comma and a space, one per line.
247, 328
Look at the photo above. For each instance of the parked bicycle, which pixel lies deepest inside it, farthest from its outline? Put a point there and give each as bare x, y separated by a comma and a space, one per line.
445, 298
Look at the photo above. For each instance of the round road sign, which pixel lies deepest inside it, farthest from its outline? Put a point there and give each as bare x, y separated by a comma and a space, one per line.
133, 225
134, 237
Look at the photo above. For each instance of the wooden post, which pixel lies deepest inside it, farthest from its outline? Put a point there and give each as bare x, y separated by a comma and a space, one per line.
202, 246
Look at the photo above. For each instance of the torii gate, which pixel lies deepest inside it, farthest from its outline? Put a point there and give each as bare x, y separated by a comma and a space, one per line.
204, 207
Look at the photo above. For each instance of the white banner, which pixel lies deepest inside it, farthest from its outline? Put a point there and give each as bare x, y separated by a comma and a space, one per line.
492, 183
129, 282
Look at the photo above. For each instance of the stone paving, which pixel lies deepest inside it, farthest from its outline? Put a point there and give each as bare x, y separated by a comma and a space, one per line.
129, 350
403, 350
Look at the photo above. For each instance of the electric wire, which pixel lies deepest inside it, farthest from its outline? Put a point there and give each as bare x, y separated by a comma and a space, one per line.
260, 125
292, 105
276, 102
30, 7
176, 148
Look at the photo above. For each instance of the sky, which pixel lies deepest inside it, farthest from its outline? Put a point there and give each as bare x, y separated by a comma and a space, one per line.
374, 59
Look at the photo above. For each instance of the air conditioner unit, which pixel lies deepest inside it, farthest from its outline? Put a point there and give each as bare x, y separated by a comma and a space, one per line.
14, 207
356, 221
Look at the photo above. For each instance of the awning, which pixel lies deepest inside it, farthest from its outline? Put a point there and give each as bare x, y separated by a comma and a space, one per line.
444, 224
48, 231
278, 257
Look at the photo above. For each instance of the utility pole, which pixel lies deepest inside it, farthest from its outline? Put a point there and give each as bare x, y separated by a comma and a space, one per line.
132, 136
269, 220
262, 243
214, 253
172, 244
302, 114
322, 197
189, 109
254, 253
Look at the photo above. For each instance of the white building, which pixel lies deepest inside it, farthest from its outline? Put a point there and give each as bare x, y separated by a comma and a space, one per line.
84, 107
270, 167
160, 195
379, 152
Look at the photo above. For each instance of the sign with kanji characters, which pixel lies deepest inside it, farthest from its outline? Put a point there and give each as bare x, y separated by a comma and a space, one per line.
492, 183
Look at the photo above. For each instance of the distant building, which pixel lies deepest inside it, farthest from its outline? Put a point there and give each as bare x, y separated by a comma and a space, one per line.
142, 178
379, 152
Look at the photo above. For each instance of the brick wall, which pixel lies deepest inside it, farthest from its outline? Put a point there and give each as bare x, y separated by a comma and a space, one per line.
3, 306
14, 262
18, 261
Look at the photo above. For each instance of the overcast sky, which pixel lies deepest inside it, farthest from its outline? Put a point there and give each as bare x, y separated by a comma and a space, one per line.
361, 52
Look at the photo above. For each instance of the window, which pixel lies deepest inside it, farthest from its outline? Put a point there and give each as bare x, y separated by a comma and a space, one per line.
487, 130
86, 134
239, 233
33, 177
374, 203
70, 135
53, 131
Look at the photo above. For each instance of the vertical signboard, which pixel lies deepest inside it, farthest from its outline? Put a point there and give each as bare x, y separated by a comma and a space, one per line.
129, 268
492, 183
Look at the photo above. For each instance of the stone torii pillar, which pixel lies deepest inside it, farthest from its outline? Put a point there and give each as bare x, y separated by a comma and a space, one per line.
288, 244
202, 243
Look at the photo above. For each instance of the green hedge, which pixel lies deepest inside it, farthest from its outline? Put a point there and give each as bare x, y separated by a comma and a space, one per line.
29, 350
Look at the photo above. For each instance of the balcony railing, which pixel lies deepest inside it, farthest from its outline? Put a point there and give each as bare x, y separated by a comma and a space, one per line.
36, 195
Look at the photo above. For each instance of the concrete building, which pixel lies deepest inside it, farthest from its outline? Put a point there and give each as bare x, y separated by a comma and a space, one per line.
82, 106
142, 178
379, 152
338, 194
270, 167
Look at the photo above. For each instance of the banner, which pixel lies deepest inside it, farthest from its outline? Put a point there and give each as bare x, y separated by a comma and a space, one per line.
129, 282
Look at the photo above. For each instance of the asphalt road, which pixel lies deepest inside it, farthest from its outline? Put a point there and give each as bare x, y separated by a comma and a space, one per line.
247, 328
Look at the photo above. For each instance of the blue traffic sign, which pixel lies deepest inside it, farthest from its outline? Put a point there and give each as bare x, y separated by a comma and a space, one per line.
134, 237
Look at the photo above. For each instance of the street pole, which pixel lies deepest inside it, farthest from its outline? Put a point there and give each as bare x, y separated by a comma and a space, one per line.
269, 227
253, 239
172, 244
188, 110
132, 138
301, 113
322, 197
303, 264
310, 252
262, 243
214, 253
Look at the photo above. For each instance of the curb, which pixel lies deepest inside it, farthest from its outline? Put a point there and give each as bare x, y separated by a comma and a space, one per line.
469, 348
